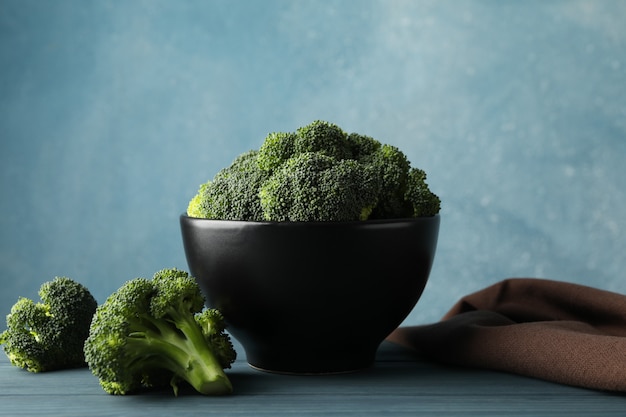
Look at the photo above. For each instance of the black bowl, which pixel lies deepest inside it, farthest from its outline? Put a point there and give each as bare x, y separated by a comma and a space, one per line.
311, 297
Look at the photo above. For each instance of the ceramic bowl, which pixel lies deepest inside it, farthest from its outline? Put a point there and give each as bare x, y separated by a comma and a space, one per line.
311, 297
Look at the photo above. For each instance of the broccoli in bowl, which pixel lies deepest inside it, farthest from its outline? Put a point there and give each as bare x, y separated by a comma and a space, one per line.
315, 217
317, 173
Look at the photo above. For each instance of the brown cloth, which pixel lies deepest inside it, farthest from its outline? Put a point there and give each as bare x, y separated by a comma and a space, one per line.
556, 331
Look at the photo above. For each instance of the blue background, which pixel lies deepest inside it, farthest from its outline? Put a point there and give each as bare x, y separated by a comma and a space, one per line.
113, 112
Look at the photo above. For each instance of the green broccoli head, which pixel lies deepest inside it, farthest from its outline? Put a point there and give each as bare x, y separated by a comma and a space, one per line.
49, 335
314, 187
319, 136
156, 332
423, 201
277, 148
197, 203
233, 192
323, 137
213, 327
393, 168
317, 173
362, 147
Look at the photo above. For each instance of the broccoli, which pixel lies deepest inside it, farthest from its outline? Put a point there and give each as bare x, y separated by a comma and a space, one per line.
393, 168
277, 148
317, 173
323, 137
314, 187
423, 201
319, 136
195, 207
156, 332
49, 335
361, 146
233, 192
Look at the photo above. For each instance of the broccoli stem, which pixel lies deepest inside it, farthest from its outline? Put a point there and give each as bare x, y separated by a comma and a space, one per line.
178, 345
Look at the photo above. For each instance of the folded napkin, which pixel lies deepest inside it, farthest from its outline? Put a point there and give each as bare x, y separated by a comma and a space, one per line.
556, 331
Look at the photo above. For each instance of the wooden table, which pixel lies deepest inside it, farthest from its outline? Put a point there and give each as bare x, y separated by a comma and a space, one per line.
399, 384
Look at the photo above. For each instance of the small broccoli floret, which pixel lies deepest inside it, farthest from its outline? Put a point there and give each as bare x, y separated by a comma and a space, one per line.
323, 137
213, 327
49, 335
277, 148
195, 207
423, 201
393, 167
315, 187
151, 333
318, 136
362, 147
233, 192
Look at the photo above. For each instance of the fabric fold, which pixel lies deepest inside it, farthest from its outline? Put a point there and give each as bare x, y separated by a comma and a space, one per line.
552, 330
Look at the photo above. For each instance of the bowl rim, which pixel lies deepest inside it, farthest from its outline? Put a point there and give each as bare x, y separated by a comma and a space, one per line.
352, 223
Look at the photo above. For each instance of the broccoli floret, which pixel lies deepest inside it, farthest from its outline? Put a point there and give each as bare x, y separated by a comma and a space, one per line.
362, 146
315, 187
155, 332
423, 201
195, 207
277, 148
49, 335
233, 192
393, 168
319, 136
323, 137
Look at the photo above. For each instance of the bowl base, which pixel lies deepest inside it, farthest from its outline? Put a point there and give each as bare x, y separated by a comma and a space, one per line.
304, 357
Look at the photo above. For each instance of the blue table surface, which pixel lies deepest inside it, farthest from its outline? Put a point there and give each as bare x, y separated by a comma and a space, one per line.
398, 384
